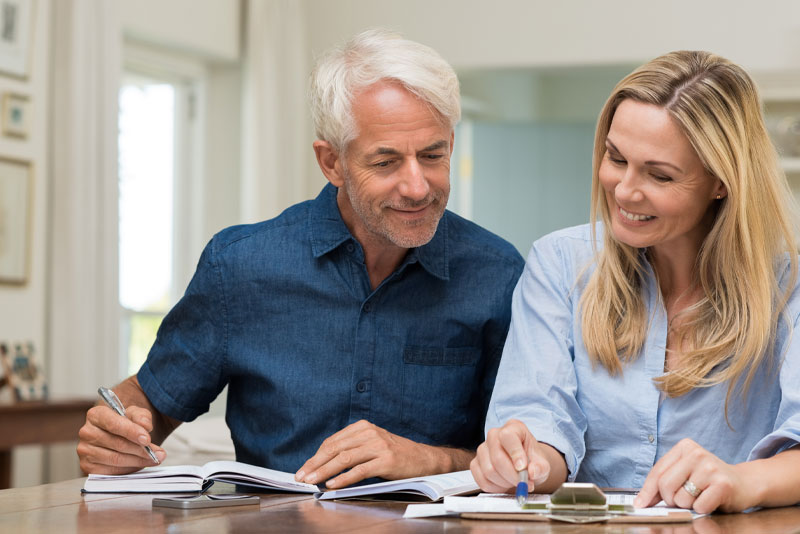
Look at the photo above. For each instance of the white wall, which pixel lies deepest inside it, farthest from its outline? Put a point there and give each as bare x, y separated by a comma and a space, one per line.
514, 33
206, 27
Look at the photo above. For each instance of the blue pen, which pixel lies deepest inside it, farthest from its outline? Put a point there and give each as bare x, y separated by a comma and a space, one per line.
522, 487
110, 398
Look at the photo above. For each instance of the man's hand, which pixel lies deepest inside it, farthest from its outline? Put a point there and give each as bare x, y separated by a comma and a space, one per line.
510, 449
370, 451
113, 445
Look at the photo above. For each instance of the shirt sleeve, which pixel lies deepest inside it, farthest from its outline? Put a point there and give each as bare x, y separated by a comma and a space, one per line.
536, 381
786, 432
183, 372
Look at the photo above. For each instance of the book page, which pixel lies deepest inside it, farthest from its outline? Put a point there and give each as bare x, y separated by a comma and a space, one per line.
433, 487
252, 474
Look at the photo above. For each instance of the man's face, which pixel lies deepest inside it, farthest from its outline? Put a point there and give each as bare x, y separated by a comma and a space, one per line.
397, 170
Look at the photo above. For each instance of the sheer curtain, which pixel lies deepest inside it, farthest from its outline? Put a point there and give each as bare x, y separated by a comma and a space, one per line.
276, 146
83, 315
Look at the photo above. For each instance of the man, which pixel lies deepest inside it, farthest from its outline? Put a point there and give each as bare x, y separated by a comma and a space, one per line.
359, 333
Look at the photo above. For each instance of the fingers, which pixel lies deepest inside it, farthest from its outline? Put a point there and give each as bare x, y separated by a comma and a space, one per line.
112, 444
506, 450
333, 445
690, 477
367, 451
649, 494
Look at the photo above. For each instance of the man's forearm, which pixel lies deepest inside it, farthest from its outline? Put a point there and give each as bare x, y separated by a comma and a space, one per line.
449, 459
131, 394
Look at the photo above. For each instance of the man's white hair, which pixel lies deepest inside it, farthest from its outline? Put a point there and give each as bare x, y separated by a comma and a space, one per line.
369, 57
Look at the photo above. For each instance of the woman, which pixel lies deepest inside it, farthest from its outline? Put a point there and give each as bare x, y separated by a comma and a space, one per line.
655, 350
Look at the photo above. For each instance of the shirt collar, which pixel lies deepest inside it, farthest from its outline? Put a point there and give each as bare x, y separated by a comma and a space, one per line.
328, 231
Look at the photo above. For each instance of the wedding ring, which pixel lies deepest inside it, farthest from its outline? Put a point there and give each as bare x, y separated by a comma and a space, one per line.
691, 489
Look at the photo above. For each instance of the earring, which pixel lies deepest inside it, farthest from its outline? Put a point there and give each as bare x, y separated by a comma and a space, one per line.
719, 197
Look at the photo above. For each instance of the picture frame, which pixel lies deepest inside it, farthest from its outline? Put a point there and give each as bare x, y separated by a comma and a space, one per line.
16, 115
16, 204
15, 36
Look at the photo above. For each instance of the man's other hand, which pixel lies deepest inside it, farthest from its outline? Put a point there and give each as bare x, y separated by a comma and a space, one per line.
370, 451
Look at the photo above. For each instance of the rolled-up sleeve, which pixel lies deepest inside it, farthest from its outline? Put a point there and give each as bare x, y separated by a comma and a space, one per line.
786, 431
536, 381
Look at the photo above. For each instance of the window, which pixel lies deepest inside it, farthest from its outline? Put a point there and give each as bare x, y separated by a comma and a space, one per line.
146, 211
158, 193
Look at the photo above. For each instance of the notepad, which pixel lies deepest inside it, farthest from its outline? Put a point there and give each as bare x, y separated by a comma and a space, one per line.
430, 488
192, 478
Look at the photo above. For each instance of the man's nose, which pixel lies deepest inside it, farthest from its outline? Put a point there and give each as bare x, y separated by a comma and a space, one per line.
413, 183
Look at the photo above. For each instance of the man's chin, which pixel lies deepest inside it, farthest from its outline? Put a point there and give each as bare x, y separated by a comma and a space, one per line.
417, 238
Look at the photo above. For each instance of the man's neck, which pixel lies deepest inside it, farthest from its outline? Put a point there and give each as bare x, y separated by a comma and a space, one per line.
381, 256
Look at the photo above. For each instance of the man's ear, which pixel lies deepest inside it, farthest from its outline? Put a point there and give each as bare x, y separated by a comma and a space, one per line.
329, 163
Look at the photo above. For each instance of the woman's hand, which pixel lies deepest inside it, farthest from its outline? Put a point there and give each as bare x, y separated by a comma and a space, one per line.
689, 476
506, 451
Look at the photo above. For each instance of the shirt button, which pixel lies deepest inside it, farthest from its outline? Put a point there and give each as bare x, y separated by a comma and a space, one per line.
651, 438
350, 247
361, 387
368, 307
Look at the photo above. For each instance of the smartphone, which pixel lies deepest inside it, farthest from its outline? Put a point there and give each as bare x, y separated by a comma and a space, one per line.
211, 500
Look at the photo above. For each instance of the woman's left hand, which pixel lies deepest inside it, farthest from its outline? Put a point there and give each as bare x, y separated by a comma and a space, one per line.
689, 476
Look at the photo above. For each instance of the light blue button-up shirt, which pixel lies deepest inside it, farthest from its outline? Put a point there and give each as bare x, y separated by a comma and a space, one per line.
612, 429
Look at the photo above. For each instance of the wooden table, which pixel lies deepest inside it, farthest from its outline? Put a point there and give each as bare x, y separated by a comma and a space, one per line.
61, 508
38, 423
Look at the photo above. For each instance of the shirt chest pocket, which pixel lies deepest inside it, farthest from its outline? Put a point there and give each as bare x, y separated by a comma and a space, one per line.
440, 391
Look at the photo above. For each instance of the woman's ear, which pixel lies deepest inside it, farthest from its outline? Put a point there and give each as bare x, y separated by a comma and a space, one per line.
720, 191
329, 163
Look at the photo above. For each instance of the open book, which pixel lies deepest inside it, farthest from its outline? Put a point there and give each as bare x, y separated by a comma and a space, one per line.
433, 488
193, 478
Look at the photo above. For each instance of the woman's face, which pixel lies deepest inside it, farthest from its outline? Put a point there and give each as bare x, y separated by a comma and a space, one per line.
658, 191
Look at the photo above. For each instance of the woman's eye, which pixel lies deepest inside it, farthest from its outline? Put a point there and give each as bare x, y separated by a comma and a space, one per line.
661, 178
618, 161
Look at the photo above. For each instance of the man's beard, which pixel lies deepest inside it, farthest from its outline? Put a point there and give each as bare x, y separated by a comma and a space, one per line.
422, 231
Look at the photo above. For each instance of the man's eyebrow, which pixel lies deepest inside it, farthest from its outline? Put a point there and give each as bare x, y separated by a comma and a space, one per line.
384, 150
438, 145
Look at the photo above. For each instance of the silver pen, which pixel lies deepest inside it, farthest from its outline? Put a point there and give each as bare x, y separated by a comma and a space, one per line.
110, 398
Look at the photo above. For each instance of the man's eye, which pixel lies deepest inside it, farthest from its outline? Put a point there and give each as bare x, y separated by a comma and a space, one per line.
383, 163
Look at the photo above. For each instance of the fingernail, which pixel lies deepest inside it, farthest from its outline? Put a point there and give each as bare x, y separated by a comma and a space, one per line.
312, 478
144, 440
332, 483
637, 502
300, 475
161, 455
520, 465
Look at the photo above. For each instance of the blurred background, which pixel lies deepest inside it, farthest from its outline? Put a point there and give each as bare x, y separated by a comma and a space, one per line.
152, 124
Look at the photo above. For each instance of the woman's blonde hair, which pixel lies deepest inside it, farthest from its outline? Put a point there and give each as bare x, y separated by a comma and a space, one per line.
729, 332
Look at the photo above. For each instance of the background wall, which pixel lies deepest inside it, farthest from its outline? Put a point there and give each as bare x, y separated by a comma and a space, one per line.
549, 49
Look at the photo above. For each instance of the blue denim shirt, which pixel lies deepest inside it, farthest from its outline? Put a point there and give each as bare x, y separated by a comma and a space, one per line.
612, 429
282, 311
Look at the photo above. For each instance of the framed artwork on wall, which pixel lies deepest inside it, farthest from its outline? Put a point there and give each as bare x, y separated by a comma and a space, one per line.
15, 36
16, 115
16, 204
